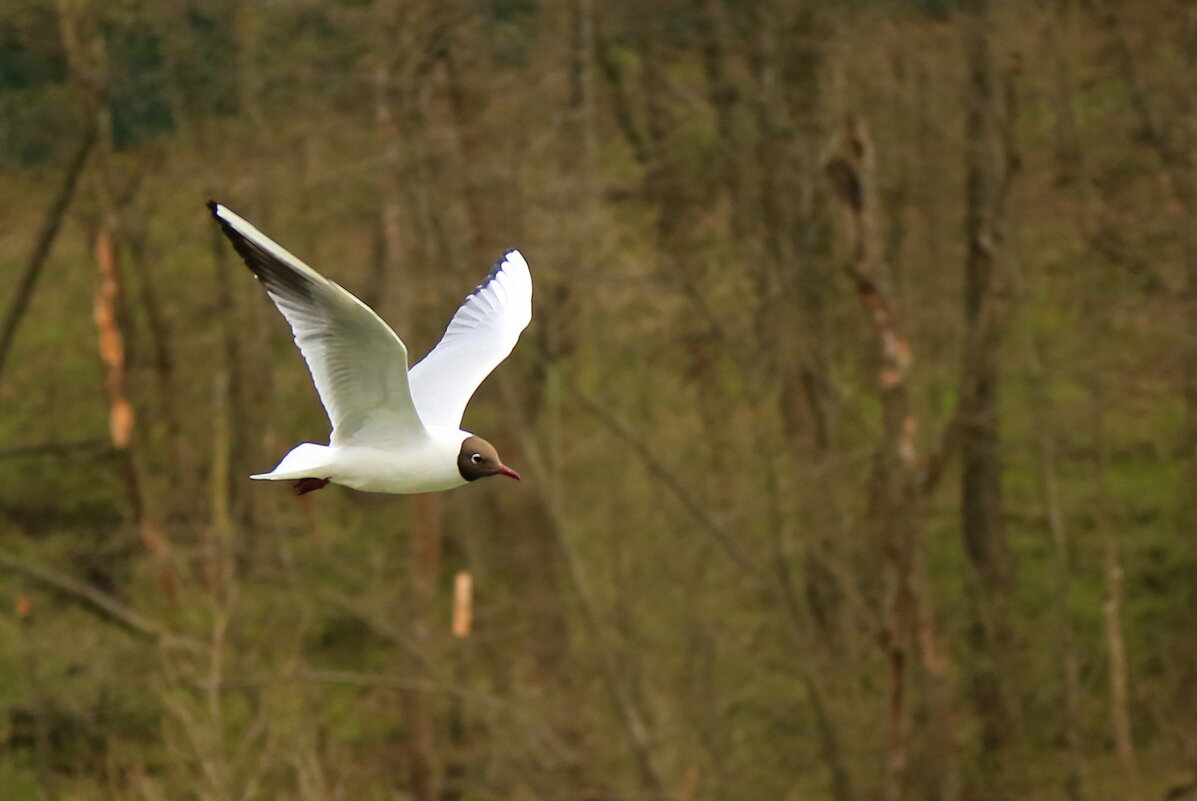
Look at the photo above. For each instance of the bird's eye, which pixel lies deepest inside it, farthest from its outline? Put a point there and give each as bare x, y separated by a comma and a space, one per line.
476, 458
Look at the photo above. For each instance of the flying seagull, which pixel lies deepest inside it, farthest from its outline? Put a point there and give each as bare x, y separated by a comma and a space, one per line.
393, 429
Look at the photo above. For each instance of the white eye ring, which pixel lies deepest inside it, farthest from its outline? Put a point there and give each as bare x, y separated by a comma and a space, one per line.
476, 458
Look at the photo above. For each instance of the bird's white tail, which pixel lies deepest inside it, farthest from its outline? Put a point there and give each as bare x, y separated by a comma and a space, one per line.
307, 460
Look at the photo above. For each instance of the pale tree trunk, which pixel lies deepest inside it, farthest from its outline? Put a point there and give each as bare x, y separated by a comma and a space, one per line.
1120, 718
851, 173
121, 420
455, 779
1172, 138
80, 30
898, 486
83, 43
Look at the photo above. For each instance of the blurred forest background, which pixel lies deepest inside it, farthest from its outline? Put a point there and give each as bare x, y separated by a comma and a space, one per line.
858, 414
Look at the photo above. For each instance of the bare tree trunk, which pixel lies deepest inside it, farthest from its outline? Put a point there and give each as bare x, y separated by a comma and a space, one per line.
1172, 139
426, 534
1184, 169
623, 693
465, 110
386, 267
230, 389
1066, 638
623, 696
256, 398
1120, 718
81, 32
425, 540
785, 58
1058, 33
981, 478
218, 562
581, 79
121, 420
801, 72
458, 759
162, 360
88, 62
1071, 171
546, 536
723, 97
621, 104
897, 485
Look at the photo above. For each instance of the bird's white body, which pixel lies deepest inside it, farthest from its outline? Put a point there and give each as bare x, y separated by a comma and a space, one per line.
420, 465
393, 430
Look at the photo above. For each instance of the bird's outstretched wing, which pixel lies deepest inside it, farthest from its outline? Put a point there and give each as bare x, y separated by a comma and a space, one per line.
481, 334
358, 364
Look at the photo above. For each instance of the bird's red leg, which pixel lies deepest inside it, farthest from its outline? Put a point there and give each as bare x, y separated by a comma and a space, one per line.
306, 485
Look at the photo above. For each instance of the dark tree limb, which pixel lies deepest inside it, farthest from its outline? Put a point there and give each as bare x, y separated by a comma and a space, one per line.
991, 167
93, 600
621, 103
726, 539
46, 235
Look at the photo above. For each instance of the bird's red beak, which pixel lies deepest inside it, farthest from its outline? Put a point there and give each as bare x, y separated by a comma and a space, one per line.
504, 470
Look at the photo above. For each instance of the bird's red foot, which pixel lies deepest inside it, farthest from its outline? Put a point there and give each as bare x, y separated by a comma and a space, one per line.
306, 485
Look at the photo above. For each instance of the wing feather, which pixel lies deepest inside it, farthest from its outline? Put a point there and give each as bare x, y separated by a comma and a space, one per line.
481, 334
358, 364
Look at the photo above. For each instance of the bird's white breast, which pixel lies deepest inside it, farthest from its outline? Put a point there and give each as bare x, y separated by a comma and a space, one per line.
424, 465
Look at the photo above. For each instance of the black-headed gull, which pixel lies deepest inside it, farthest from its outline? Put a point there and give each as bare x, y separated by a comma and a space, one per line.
393, 430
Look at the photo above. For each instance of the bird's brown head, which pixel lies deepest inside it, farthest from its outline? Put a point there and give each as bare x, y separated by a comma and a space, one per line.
479, 459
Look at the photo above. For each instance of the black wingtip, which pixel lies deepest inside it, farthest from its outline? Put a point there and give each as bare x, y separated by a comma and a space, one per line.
266, 266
